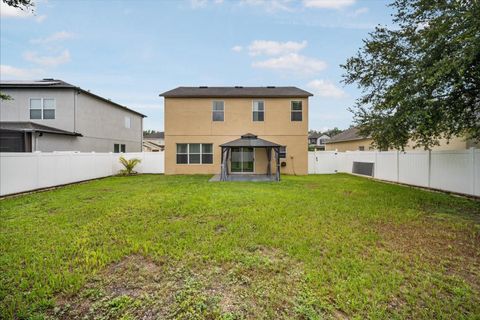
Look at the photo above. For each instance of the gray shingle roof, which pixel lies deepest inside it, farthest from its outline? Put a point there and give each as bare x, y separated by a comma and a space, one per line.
55, 83
250, 140
236, 92
350, 134
25, 126
156, 135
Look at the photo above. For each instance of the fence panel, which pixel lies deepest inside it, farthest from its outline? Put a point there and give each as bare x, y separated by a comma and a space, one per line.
386, 166
20, 172
413, 168
322, 162
452, 171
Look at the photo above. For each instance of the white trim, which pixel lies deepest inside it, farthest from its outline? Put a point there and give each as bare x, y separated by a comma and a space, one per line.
253, 109
223, 101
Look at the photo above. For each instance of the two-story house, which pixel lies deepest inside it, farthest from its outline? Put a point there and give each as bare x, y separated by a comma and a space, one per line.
244, 130
317, 141
52, 115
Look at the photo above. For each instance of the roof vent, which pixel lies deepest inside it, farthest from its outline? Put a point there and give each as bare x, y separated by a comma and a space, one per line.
203, 87
249, 136
270, 87
238, 87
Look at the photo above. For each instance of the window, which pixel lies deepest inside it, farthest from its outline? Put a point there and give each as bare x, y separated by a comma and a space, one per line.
361, 148
42, 108
194, 153
283, 152
35, 108
117, 148
128, 122
296, 114
258, 110
218, 111
48, 108
182, 153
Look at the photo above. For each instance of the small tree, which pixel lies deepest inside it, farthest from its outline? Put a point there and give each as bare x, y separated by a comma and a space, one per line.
129, 165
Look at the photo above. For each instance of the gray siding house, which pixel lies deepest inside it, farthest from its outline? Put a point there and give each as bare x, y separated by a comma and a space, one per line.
52, 115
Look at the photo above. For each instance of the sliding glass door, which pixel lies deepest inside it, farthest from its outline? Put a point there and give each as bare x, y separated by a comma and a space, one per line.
242, 160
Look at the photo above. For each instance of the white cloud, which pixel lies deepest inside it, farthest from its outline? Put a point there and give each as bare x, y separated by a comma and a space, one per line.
328, 4
274, 48
292, 62
269, 5
9, 72
57, 36
198, 3
7, 11
359, 11
50, 61
237, 48
326, 89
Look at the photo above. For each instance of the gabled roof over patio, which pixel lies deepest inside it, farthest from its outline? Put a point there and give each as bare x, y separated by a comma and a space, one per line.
252, 141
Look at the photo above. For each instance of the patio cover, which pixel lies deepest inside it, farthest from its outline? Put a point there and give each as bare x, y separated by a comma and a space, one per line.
250, 140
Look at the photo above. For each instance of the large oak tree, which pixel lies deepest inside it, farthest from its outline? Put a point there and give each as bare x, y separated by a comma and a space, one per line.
420, 78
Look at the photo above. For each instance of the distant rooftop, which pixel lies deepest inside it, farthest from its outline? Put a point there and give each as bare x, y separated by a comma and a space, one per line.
350, 134
236, 92
55, 83
155, 135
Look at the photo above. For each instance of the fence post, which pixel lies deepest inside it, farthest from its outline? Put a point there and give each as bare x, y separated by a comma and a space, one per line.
429, 174
375, 165
474, 174
398, 166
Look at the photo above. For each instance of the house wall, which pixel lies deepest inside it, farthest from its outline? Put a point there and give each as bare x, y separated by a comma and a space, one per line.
101, 123
18, 109
190, 121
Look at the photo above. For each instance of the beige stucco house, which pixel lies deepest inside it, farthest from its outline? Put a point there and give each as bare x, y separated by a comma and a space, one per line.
250, 129
351, 140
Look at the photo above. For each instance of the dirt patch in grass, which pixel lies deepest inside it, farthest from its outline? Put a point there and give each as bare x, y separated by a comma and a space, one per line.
262, 284
448, 248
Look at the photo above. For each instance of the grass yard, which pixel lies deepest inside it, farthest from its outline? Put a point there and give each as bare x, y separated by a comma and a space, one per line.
179, 247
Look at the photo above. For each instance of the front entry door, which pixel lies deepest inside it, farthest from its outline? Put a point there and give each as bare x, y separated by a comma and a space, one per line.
242, 160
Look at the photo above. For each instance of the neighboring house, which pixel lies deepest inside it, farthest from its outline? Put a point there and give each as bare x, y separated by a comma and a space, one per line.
312, 138
350, 140
243, 126
318, 140
154, 142
52, 115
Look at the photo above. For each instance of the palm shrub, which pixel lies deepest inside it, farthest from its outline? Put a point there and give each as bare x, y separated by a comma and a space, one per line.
129, 165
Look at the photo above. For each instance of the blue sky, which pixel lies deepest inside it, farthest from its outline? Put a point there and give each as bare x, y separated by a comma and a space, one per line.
130, 51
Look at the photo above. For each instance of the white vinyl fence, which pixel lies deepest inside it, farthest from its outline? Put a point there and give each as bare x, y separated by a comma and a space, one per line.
20, 172
455, 171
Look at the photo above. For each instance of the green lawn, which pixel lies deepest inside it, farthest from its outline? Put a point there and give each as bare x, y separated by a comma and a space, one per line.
313, 247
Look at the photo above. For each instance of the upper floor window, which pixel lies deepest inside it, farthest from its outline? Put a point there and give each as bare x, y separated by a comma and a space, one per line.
258, 110
296, 111
41, 108
128, 122
218, 111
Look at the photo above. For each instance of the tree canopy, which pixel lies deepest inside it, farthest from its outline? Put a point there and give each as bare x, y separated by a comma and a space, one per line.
21, 4
420, 78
